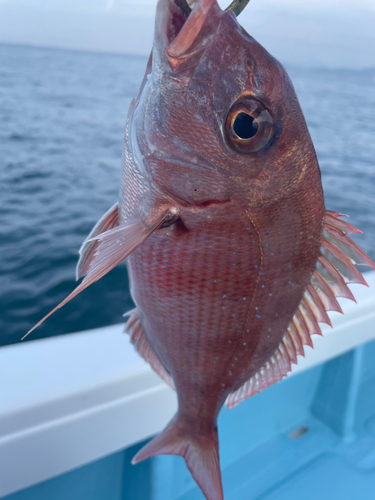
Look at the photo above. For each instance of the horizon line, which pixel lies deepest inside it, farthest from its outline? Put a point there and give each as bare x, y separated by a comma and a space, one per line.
311, 66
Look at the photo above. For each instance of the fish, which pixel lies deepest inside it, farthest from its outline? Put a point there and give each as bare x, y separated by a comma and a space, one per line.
232, 257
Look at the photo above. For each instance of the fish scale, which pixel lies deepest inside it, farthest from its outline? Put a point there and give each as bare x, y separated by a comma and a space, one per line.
179, 301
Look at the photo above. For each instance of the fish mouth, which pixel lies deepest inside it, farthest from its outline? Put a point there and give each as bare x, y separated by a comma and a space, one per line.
179, 12
183, 31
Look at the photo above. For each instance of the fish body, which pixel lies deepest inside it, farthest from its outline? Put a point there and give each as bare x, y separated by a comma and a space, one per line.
232, 258
217, 289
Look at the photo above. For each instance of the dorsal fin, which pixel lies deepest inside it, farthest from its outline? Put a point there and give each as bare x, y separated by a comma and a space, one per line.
335, 269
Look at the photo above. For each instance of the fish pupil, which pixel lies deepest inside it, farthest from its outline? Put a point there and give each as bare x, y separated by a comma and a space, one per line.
245, 126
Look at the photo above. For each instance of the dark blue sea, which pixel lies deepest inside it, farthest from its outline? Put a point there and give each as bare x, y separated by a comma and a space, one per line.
62, 119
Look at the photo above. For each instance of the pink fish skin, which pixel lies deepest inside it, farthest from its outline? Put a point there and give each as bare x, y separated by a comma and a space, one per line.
233, 259
216, 290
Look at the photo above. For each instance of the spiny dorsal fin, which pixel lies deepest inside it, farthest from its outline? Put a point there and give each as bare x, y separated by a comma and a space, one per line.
335, 269
138, 338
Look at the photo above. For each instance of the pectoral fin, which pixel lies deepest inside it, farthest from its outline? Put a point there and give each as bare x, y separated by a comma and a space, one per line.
87, 251
113, 247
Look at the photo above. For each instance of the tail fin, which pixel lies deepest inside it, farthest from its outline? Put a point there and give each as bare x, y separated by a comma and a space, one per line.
201, 454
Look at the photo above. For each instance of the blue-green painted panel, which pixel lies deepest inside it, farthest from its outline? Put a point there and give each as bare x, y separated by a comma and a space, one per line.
112, 478
101, 480
310, 436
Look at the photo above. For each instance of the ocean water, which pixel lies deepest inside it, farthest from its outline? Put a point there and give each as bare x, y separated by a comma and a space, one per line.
62, 119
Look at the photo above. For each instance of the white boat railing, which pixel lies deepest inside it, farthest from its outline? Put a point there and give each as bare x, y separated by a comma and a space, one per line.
69, 400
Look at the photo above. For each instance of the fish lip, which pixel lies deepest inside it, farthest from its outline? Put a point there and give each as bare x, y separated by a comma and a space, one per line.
165, 24
181, 37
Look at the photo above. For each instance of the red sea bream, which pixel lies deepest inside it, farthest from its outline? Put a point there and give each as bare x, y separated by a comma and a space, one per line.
232, 257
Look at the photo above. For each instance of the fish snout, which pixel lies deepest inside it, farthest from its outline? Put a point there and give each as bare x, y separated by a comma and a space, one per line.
182, 32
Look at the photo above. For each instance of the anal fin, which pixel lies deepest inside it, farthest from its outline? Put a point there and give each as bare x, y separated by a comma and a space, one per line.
138, 338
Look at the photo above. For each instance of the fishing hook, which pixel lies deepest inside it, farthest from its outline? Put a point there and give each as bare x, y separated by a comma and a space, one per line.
237, 6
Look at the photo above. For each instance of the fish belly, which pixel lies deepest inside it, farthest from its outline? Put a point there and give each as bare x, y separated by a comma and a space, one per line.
198, 286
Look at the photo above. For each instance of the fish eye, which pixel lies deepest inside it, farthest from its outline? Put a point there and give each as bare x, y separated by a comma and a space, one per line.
249, 126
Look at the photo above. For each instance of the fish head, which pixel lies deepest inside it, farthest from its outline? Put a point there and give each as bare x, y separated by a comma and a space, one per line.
218, 111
